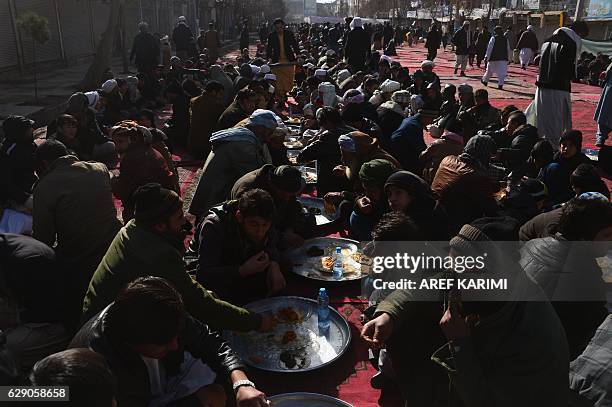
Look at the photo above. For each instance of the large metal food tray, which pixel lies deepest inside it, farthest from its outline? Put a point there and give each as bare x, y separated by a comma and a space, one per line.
312, 351
309, 174
305, 265
306, 400
317, 204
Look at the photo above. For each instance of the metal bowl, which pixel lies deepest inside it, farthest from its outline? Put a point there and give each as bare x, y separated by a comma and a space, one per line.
316, 206
311, 350
306, 400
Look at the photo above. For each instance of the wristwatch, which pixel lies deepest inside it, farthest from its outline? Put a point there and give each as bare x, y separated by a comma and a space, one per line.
240, 383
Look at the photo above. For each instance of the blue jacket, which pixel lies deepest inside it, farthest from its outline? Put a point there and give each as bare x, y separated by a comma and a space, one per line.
407, 143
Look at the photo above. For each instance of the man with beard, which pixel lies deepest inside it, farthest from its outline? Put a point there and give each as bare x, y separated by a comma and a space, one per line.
152, 245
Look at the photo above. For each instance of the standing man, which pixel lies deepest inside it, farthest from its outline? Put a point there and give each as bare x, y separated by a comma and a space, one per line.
481, 44
282, 50
244, 35
212, 42
496, 58
551, 109
511, 37
182, 38
357, 46
528, 46
432, 42
145, 49
603, 113
461, 40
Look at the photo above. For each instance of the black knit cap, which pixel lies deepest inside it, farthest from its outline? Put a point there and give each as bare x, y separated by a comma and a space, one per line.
489, 229
153, 202
14, 127
287, 178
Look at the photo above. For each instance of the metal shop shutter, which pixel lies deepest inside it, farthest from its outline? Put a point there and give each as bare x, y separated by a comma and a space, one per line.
76, 31
101, 12
8, 51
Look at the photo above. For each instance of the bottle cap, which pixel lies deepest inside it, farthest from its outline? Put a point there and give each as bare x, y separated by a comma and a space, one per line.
338, 249
322, 290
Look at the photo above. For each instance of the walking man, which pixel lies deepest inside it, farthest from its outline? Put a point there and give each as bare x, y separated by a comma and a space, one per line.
551, 109
461, 40
528, 46
496, 58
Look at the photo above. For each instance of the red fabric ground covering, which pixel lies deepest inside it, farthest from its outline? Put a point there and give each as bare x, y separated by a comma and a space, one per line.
519, 88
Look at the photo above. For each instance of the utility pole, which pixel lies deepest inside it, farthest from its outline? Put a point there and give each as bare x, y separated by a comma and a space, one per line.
579, 10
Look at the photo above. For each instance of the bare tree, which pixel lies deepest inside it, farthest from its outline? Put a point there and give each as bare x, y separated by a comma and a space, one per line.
103, 57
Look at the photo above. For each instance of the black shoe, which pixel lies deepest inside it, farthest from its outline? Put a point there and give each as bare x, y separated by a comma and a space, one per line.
484, 83
462, 73
455, 71
523, 67
500, 87
379, 381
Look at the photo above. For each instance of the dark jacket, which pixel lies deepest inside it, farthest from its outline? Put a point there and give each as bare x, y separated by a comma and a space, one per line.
182, 37
523, 140
232, 115
389, 121
222, 248
485, 115
500, 49
327, 153
32, 278
139, 251
288, 215
571, 278
433, 39
528, 40
556, 176
557, 63
482, 41
133, 385
205, 112
292, 47
357, 47
460, 40
16, 171
434, 154
146, 51
407, 144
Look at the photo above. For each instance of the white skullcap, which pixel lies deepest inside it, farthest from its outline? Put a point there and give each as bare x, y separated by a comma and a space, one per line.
109, 86
321, 72
256, 70
427, 63
389, 86
92, 98
270, 77
264, 69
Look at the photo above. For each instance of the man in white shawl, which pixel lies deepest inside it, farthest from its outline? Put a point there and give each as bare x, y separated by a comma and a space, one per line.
551, 109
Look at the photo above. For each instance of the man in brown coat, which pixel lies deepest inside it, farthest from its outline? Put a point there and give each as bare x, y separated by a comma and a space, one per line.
204, 114
73, 206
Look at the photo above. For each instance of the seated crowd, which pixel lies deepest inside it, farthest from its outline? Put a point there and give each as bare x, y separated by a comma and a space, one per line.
110, 306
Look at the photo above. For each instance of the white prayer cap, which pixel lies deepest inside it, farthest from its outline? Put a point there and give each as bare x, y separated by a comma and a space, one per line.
92, 98
270, 77
321, 72
256, 70
264, 69
109, 86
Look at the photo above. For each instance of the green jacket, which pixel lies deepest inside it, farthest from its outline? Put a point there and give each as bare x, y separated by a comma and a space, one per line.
137, 251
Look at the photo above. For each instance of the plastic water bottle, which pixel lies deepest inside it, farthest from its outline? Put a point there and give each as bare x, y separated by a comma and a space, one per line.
338, 268
323, 311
